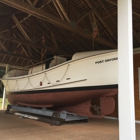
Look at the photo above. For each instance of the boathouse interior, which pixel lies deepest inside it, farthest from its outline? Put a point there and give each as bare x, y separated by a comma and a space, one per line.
33, 30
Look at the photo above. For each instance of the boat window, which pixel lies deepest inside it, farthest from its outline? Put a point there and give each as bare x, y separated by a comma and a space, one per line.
37, 68
57, 60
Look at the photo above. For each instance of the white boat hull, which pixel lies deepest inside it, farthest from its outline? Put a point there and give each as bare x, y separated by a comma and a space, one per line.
69, 83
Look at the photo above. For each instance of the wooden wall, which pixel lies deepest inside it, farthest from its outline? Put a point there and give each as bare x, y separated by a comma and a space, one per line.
136, 90
136, 85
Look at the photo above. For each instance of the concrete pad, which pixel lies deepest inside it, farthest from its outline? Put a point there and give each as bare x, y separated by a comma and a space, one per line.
15, 128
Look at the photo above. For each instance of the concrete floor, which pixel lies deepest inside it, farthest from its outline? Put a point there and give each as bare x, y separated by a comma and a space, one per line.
15, 128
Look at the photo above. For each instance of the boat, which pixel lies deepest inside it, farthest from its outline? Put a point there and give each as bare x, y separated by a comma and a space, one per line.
84, 85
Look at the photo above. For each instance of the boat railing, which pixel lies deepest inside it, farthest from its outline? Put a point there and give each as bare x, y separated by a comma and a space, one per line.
37, 66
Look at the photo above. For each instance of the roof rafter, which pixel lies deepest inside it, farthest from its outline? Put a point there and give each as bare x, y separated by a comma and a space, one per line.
54, 20
44, 16
54, 39
62, 10
21, 28
101, 19
3, 47
58, 10
106, 9
5, 22
115, 3
14, 39
86, 14
18, 56
30, 44
71, 9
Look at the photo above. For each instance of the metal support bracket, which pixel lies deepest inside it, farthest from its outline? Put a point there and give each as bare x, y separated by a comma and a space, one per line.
56, 116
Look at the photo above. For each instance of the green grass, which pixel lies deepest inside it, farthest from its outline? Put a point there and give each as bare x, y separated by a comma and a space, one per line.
1, 102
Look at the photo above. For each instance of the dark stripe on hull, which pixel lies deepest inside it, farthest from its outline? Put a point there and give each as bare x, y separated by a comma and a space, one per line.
63, 97
68, 89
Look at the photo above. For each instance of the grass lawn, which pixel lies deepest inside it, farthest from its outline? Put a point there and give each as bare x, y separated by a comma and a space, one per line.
1, 102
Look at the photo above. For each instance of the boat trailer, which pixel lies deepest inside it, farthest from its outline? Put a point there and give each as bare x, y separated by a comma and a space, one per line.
41, 114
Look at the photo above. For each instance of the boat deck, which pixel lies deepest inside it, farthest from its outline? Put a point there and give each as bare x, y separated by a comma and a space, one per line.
14, 128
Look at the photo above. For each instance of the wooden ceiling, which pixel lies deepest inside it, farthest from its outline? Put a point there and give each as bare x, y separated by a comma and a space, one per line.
68, 26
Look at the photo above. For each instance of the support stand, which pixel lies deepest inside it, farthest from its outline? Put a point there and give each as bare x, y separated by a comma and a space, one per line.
57, 117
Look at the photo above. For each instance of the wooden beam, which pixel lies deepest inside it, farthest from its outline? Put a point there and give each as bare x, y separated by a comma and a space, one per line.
3, 47
21, 28
60, 38
29, 50
62, 10
94, 26
22, 62
50, 28
63, 39
20, 41
54, 40
45, 16
71, 9
14, 53
49, 18
58, 10
35, 2
101, 19
46, 32
5, 22
86, 14
108, 12
115, 3
47, 2
106, 43
33, 45
22, 6
7, 12
33, 28
3, 58
18, 56
112, 2
10, 43
29, 1
24, 51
